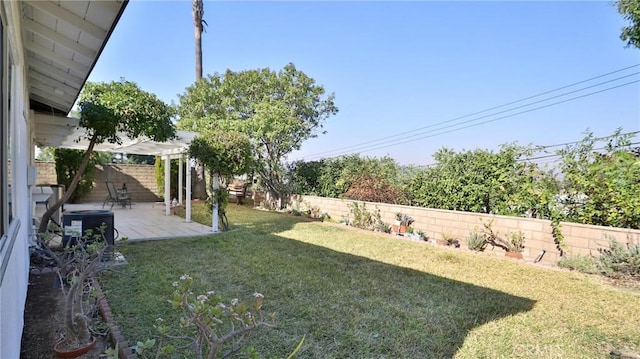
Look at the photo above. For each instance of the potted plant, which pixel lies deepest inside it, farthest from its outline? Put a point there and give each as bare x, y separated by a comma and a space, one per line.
85, 261
512, 246
515, 245
403, 221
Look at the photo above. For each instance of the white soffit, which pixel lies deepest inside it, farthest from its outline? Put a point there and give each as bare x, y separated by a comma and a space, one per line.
63, 40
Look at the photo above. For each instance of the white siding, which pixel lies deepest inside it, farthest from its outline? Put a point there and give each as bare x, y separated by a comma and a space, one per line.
13, 290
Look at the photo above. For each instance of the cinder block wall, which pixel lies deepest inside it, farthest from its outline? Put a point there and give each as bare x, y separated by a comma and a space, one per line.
46, 173
140, 180
581, 239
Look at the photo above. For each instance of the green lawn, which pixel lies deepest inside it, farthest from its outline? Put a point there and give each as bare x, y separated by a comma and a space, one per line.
357, 294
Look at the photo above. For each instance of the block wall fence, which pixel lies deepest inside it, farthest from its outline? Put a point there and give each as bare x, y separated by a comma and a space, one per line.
140, 180
581, 239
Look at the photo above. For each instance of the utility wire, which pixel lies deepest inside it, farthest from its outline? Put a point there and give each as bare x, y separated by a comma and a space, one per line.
540, 147
488, 121
386, 138
517, 107
554, 157
557, 155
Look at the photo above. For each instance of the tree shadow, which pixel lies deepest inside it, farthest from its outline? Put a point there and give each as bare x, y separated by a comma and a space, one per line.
347, 306
377, 309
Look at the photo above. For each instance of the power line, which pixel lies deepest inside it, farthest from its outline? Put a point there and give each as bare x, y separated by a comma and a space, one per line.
386, 138
574, 142
557, 155
518, 107
377, 147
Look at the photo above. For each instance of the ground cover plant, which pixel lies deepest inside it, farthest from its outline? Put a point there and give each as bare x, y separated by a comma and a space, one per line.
357, 294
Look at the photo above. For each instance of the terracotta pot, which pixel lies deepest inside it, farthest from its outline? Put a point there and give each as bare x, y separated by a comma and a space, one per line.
516, 255
62, 352
403, 229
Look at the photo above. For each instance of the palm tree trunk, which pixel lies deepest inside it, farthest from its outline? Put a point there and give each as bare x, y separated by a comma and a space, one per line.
197, 8
198, 12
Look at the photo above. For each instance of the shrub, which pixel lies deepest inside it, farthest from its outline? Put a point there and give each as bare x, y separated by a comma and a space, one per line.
362, 218
619, 259
585, 264
159, 172
67, 164
476, 241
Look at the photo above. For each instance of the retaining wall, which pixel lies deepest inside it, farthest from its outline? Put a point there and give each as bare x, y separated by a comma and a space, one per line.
581, 239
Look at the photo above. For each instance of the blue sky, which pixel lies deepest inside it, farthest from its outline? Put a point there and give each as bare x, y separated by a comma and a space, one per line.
399, 66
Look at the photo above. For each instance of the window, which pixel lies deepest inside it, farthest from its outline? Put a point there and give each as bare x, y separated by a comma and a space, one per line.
4, 138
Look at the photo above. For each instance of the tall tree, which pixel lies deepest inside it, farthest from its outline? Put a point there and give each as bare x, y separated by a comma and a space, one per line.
197, 9
630, 11
277, 110
106, 111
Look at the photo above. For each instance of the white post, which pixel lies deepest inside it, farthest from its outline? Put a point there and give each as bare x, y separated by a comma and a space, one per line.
214, 217
180, 180
167, 186
188, 214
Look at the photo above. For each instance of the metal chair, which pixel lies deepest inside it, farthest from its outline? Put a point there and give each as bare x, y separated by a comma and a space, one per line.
114, 196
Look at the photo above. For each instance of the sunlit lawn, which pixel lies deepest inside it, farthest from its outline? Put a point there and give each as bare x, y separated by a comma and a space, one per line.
357, 294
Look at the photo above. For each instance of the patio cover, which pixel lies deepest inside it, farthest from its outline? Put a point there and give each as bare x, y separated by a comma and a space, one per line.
64, 132
59, 131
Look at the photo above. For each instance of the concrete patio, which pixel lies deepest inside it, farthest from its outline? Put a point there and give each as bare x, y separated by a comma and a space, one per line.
144, 221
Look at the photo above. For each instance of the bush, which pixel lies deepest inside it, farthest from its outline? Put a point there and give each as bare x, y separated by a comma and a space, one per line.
619, 259
361, 217
67, 164
159, 172
476, 241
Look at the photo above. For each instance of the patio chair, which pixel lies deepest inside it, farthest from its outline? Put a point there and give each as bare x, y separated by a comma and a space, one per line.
238, 189
114, 196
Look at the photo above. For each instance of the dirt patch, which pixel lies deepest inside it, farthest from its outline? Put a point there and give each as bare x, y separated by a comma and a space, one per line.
43, 322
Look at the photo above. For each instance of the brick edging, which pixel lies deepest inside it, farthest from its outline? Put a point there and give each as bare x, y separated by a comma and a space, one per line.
114, 330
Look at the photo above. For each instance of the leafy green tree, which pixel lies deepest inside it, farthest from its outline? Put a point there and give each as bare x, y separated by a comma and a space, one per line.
46, 154
630, 11
305, 176
108, 109
277, 110
224, 154
601, 184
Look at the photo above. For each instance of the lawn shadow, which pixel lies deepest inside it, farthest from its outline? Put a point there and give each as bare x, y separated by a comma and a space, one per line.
347, 306
378, 309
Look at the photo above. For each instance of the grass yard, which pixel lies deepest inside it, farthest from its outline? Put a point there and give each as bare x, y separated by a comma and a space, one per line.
357, 294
